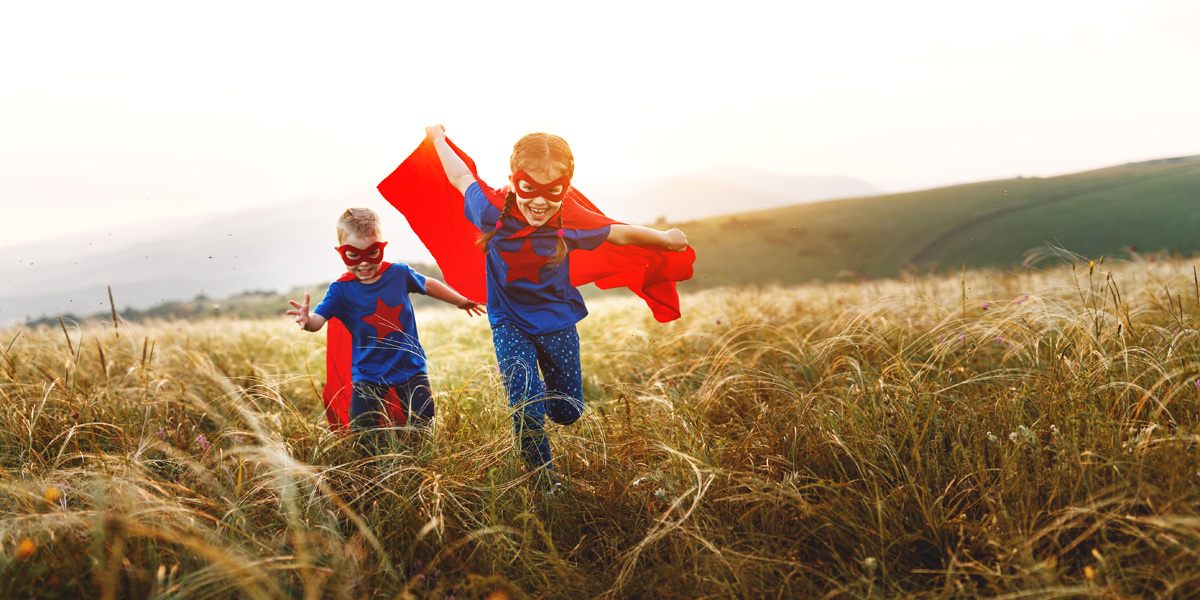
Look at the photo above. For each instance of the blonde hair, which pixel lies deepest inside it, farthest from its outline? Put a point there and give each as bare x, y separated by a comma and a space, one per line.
542, 151
545, 152
358, 222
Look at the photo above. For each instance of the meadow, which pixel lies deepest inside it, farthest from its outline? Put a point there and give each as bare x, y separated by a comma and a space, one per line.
1005, 434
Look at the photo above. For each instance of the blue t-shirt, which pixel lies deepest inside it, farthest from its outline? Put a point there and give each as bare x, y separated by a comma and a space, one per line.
522, 289
380, 319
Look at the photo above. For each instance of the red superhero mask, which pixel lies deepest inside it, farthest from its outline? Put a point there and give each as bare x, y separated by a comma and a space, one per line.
540, 190
364, 254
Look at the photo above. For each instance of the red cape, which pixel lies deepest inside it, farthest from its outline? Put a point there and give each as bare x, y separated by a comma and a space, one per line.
336, 395
419, 189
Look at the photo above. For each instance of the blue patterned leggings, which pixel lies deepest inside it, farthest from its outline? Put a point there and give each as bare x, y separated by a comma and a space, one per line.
559, 396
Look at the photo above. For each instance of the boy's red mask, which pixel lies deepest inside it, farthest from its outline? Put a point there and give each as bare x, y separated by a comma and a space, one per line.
540, 190
364, 254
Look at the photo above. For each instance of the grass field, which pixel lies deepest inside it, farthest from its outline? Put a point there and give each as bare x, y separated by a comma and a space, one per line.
996, 434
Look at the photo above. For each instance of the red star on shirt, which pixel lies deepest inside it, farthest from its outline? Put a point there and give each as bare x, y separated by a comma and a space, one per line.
386, 318
524, 263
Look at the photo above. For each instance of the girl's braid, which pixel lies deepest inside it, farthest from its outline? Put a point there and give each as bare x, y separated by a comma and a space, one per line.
506, 210
560, 251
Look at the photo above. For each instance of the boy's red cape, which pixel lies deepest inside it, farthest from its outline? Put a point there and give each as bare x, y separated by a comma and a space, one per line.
419, 189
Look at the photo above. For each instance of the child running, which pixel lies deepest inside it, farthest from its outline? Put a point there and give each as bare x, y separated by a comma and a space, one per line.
532, 305
371, 300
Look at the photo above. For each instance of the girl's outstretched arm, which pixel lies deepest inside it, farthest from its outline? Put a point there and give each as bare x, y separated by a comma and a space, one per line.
456, 170
636, 235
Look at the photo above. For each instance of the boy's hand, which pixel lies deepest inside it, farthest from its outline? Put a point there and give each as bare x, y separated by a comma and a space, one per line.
676, 240
434, 131
301, 312
473, 308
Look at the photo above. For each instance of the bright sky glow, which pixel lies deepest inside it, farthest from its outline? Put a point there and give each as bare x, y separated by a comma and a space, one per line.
119, 112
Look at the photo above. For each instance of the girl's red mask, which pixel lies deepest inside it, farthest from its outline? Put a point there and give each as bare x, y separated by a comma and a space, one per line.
364, 254
540, 190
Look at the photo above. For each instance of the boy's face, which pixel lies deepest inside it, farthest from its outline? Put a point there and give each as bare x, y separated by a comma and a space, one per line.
366, 272
540, 209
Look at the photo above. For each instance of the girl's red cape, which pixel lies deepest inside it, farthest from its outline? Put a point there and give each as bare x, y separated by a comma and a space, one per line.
419, 189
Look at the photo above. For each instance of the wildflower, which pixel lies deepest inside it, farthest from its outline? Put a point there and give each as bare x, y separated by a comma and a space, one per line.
75, 416
870, 564
25, 549
238, 438
161, 433
718, 321
1089, 572
1000, 339
53, 495
1198, 383
992, 438
203, 441
986, 305
941, 338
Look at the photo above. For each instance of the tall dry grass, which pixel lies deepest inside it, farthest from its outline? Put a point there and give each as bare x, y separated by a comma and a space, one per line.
991, 434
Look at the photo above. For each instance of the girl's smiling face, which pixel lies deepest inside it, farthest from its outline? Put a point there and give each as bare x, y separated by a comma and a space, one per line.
539, 210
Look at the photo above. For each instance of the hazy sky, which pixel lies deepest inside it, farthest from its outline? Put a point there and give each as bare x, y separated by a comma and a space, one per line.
117, 112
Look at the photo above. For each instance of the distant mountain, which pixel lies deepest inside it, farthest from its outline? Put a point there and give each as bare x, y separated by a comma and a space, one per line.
274, 248
1116, 212
720, 191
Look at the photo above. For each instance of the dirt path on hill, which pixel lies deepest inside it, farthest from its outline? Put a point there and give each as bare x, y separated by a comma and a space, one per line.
939, 243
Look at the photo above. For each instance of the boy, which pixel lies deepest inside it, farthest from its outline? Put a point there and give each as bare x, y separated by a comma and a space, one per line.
371, 300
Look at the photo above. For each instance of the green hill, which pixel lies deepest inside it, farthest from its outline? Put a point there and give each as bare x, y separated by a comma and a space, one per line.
1151, 206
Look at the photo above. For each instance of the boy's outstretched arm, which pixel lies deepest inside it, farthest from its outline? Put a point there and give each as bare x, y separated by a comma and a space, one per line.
440, 291
308, 321
456, 170
636, 235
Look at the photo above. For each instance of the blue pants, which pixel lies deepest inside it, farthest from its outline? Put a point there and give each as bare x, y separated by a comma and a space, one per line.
559, 396
366, 402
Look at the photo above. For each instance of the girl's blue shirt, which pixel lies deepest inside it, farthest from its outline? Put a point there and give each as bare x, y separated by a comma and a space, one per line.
539, 307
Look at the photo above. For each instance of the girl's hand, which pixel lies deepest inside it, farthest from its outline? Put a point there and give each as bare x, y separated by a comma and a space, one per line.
676, 240
434, 131
301, 312
473, 308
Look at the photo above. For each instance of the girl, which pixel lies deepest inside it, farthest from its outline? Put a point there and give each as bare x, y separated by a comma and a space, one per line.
532, 305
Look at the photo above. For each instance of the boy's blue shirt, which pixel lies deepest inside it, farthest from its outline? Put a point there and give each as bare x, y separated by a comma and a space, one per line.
521, 289
379, 316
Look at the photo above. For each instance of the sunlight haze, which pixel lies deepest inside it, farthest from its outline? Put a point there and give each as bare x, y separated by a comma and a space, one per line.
117, 113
